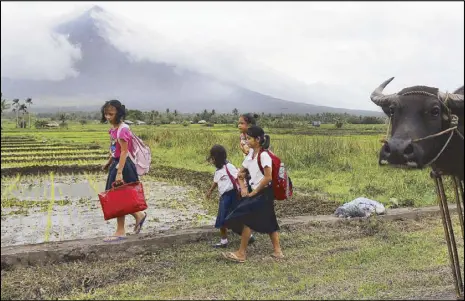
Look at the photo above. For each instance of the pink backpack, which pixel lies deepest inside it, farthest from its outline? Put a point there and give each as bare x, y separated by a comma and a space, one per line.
139, 154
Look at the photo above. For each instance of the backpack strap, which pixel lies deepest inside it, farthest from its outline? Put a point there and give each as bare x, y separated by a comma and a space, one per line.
231, 177
259, 161
121, 126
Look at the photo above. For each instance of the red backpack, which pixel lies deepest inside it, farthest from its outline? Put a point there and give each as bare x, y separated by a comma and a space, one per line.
281, 182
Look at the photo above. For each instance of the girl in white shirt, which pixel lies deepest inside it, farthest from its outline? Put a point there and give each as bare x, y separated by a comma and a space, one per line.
255, 211
225, 179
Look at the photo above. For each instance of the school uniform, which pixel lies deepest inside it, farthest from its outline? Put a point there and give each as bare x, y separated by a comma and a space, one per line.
228, 195
129, 170
256, 212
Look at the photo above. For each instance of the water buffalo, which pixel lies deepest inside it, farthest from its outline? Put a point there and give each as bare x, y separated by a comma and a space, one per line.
427, 129
421, 120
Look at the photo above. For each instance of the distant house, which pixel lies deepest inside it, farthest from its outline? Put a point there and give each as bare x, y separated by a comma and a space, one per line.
173, 122
202, 122
52, 124
128, 122
139, 122
316, 123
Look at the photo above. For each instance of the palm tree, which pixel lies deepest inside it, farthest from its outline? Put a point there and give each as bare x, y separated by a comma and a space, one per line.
16, 109
235, 112
23, 109
5, 104
29, 103
63, 118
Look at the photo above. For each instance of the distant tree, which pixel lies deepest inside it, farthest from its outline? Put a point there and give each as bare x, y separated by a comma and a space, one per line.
29, 103
5, 104
235, 112
23, 109
16, 110
63, 117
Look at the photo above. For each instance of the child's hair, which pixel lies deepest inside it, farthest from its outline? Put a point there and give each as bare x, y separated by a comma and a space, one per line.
257, 132
250, 119
120, 110
218, 154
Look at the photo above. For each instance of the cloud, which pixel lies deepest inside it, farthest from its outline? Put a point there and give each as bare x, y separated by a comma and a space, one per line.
30, 50
325, 53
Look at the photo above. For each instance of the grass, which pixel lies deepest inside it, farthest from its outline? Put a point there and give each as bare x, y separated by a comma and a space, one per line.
337, 165
355, 260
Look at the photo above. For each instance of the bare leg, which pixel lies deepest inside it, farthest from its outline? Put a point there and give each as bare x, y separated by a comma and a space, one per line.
224, 232
241, 253
120, 230
139, 215
278, 253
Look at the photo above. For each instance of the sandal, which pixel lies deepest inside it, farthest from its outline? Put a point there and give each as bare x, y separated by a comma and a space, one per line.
114, 238
138, 226
233, 257
277, 256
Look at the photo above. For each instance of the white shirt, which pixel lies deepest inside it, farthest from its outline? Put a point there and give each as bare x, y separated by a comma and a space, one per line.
222, 179
252, 165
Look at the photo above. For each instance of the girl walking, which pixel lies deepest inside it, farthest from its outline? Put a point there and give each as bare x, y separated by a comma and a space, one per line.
120, 167
225, 180
255, 211
245, 121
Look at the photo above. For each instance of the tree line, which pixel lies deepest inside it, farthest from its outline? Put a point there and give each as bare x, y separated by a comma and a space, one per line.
154, 117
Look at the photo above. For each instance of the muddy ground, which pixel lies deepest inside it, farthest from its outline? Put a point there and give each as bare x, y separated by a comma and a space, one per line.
29, 215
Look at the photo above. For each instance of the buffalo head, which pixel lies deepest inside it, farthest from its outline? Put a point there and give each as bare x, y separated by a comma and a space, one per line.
415, 112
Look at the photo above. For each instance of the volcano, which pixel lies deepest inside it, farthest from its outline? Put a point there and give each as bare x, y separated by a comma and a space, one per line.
105, 72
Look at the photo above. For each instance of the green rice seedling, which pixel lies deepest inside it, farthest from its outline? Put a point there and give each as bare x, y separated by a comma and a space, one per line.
50, 208
6, 192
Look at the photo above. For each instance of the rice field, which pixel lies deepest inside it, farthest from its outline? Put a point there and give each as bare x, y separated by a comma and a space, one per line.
50, 175
51, 178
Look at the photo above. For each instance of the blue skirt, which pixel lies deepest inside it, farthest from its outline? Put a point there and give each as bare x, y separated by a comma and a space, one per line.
257, 213
129, 172
226, 204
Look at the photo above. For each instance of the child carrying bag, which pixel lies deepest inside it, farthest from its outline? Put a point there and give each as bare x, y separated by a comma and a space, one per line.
122, 200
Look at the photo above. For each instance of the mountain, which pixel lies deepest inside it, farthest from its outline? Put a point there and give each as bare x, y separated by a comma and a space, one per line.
105, 72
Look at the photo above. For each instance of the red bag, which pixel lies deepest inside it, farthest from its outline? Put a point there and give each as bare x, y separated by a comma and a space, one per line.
122, 200
281, 182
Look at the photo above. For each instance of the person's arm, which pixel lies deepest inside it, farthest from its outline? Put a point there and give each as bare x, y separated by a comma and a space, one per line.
245, 149
263, 183
110, 160
241, 178
122, 159
212, 187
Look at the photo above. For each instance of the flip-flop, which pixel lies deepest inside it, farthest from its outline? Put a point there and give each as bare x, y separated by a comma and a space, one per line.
233, 257
114, 238
140, 224
280, 256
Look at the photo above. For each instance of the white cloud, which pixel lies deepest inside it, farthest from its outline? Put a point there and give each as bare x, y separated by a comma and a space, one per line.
276, 48
30, 50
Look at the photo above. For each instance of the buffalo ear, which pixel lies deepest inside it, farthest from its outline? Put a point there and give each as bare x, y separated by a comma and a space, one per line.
386, 110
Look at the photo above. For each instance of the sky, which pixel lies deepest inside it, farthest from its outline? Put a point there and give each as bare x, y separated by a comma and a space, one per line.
284, 49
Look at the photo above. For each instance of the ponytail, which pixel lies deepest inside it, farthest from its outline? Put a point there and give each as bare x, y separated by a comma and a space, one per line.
265, 141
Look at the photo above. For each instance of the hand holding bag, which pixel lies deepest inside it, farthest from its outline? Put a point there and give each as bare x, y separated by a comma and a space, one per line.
122, 200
